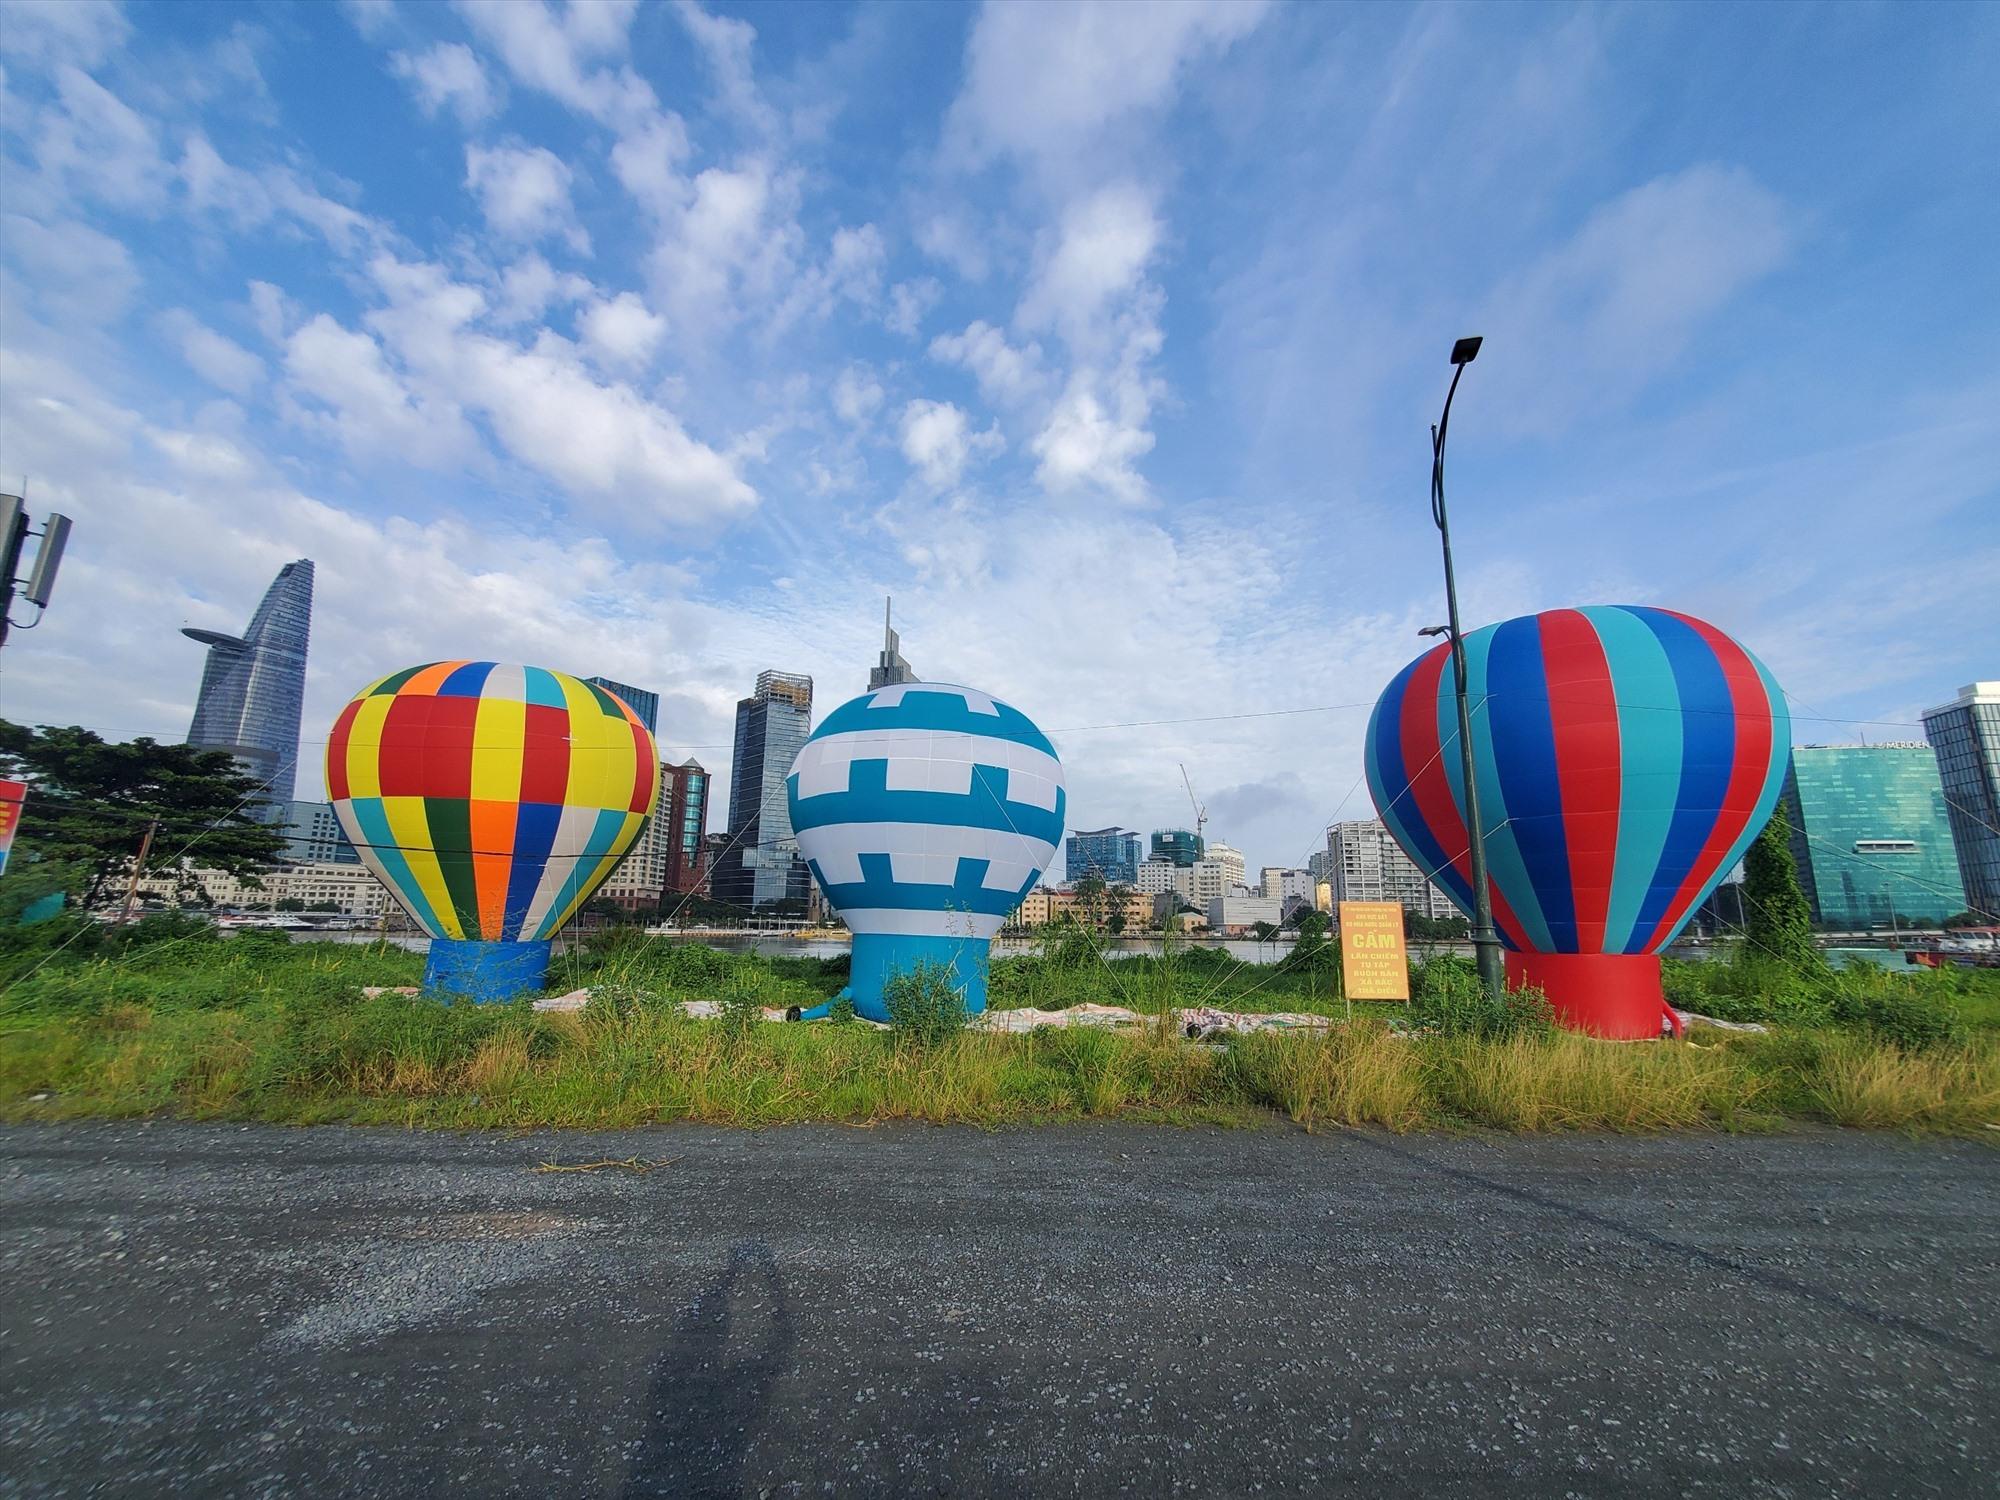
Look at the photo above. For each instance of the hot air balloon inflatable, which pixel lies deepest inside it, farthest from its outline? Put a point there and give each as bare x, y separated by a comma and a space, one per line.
926, 812
1626, 758
491, 800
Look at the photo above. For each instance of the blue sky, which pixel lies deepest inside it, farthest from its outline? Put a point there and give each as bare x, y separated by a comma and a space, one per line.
662, 342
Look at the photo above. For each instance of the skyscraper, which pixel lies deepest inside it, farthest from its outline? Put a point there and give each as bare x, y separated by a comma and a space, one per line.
253, 687
1178, 846
313, 836
889, 667
1367, 864
1113, 853
684, 804
646, 705
1965, 733
762, 866
1869, 834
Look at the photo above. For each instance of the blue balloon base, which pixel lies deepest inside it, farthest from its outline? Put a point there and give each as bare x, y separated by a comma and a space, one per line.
879, 956
486, 971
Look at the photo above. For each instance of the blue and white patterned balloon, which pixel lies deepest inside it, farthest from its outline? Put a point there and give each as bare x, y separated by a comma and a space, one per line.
926, 812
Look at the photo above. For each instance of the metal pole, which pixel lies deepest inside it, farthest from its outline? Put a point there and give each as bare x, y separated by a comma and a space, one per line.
1485, 942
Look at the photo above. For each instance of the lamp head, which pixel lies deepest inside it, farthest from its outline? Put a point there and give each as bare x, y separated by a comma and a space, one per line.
1435, 630
1465, 351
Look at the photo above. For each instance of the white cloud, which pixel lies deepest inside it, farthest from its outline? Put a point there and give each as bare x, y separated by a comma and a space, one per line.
524, 193
600, 442
274, 311
96, 146
248, 199
1591, 322
725, 42
1007, 376
1100, 254
1087, 446
648, 162
908, 302
84, 32
372, 18
530, 285
77, 273
220, 361
622, 331
1043, 81
554, 53
370, 408
856, 395
448, 76
731, 248
938, 440
945, 235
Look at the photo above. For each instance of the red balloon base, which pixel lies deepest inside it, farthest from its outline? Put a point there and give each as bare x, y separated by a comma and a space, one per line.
1614, 995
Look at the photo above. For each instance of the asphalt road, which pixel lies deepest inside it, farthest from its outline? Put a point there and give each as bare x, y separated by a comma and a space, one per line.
220, 1310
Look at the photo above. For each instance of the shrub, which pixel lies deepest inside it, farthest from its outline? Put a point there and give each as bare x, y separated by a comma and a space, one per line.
925, 1007
1449, 999
1897, 1010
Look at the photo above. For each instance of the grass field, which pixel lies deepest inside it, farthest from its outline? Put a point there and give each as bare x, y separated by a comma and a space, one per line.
177, 1022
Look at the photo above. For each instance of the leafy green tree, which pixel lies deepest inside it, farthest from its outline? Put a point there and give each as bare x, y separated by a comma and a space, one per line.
1117, 898
1778, 922
1089, 889
91, 799
1423, 929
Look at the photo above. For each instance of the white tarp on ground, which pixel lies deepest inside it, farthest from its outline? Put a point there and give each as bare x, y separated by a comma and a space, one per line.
1196, 1022
1695, 1018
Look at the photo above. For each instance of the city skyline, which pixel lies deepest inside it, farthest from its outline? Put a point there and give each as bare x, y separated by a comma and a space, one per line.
1094, 385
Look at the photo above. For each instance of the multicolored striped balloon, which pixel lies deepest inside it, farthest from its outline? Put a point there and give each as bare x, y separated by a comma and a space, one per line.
1626, 758
490, 799
926, 813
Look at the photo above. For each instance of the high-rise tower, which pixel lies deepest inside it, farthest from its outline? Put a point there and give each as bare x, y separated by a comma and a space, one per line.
890, 668
1965, 733
253, 686
762, 866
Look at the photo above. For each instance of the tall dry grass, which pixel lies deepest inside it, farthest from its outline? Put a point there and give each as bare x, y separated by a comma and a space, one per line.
420, 1063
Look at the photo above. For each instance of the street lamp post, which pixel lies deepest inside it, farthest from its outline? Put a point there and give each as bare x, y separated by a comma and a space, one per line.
1485, 942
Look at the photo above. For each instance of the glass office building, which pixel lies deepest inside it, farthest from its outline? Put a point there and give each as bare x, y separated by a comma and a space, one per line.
762, 866
1965, 733
1113, 853
313, 836
253, 688
686, 808
642, 703
1178, 846
1870, 836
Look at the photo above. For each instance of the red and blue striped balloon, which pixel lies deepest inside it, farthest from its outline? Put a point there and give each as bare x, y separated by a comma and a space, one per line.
1626, 758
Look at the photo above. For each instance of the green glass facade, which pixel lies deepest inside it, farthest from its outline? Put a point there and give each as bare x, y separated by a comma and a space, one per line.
1871, 836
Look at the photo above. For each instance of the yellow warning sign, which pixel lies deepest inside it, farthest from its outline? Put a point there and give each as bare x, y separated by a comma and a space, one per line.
1372, 955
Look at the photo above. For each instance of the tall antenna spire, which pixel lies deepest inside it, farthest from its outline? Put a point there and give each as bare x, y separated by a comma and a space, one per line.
890, 666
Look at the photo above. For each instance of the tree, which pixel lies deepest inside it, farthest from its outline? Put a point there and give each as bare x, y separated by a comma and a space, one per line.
1118, 897
1425, 929
1089, 889
91, 800
1778, 922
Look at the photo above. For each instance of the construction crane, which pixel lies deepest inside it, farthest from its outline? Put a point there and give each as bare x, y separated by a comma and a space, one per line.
1200, 812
